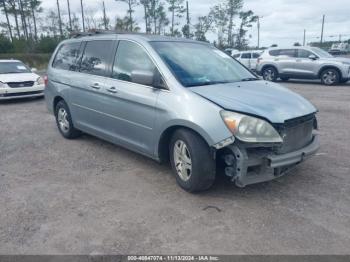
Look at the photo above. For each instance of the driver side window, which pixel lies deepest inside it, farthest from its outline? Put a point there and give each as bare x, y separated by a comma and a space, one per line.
131, 57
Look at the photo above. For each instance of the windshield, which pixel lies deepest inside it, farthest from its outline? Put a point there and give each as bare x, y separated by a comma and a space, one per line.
196, 64
321, 53
13, 68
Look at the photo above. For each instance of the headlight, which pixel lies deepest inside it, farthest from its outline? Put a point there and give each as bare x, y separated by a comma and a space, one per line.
40, 81
250, 129
3, 85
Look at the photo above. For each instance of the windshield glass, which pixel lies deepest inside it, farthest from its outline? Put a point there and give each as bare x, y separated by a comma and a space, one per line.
13, 67
321, 53
196, 64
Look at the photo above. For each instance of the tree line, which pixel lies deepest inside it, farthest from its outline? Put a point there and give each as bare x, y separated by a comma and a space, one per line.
30, 28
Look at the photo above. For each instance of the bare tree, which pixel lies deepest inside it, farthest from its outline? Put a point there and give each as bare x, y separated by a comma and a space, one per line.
177, 10
59, 18
69, 16
7, 19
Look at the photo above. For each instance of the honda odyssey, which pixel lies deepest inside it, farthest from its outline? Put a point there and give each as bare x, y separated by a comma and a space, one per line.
179, 100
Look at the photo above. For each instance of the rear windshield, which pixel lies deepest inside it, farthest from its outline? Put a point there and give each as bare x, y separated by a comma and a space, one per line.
13, 68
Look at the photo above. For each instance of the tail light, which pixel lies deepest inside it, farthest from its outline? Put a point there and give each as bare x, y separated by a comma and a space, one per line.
46, 80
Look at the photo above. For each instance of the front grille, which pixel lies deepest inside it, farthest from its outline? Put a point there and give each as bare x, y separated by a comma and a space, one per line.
20, 84
296, 133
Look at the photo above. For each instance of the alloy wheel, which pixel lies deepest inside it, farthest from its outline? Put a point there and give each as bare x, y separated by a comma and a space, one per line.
63, 120
182, 160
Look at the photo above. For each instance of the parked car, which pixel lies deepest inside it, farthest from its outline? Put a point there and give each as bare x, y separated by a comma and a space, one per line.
248, 58
18, 81
179, 100
340, 48
231, 51
303, 63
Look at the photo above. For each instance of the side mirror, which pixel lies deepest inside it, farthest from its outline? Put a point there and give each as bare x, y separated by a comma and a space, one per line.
34, 70
312, 57
142, 77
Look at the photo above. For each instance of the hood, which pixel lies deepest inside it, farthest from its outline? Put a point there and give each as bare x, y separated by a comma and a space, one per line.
265, 99
18, 77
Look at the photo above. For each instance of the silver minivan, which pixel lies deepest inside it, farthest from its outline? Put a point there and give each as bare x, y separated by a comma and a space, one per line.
181, 101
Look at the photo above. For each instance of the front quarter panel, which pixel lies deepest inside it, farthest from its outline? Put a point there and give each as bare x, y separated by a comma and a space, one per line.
188, 109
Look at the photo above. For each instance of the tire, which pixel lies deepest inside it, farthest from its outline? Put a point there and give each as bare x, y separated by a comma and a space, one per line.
270, 74
64, 121
185, 148
330, 77
284, 79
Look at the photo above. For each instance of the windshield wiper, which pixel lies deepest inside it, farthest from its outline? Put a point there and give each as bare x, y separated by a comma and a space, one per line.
208, 83
249, 79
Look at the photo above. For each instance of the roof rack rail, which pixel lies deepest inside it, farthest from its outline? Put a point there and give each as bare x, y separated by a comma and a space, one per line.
102, 32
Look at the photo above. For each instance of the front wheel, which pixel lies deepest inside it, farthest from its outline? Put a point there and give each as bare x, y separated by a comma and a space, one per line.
191, 161
270, 74
330, 77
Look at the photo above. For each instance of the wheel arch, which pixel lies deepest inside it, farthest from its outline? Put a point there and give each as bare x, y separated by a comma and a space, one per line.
166, 135
330, 67
269, 65
55, 101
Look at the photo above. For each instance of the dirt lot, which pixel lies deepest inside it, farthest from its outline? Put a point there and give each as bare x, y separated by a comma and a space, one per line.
90, 197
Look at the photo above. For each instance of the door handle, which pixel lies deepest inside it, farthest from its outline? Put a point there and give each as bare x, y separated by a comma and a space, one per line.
95, 86
112, 90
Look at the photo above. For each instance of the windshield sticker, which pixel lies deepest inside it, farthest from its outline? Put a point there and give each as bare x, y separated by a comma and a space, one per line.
21, 67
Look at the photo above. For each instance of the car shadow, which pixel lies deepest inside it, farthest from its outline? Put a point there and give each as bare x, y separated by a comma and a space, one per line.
315, 82
21, 100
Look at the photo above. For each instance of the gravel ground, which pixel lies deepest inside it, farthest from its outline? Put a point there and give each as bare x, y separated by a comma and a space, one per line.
87, 196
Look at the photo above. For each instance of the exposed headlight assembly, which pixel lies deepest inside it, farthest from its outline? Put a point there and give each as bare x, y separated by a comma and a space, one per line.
250, 129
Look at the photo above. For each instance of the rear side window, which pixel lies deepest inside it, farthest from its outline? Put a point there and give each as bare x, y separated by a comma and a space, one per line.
66, 57
246, 56
288, 52
96, 57
131, 57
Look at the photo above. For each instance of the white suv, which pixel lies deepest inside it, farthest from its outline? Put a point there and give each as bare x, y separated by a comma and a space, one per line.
248, 58
303, 63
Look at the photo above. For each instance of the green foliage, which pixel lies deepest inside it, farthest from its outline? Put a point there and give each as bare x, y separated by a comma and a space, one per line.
5, 45
38, 61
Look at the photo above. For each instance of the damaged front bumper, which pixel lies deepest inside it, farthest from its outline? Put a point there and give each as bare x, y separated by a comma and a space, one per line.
254, 164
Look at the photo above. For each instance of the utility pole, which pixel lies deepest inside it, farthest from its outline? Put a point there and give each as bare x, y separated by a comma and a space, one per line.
304, 37
340, 37
322, 29
82, 14
104, 15
59, 18
188, 20
69, 16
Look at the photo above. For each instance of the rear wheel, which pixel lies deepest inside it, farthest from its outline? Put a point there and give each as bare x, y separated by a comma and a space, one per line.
330, 77
270, 74
64, 121
191, 161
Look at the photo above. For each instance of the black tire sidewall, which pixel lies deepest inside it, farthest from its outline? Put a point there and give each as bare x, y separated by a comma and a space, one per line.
203, 164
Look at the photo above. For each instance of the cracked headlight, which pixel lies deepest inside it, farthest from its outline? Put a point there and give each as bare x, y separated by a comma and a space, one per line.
250, 129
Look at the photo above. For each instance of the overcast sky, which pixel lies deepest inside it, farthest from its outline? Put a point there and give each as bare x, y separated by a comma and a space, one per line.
282, 22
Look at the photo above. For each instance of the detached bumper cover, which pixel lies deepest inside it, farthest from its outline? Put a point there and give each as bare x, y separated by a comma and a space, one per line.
255, 165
